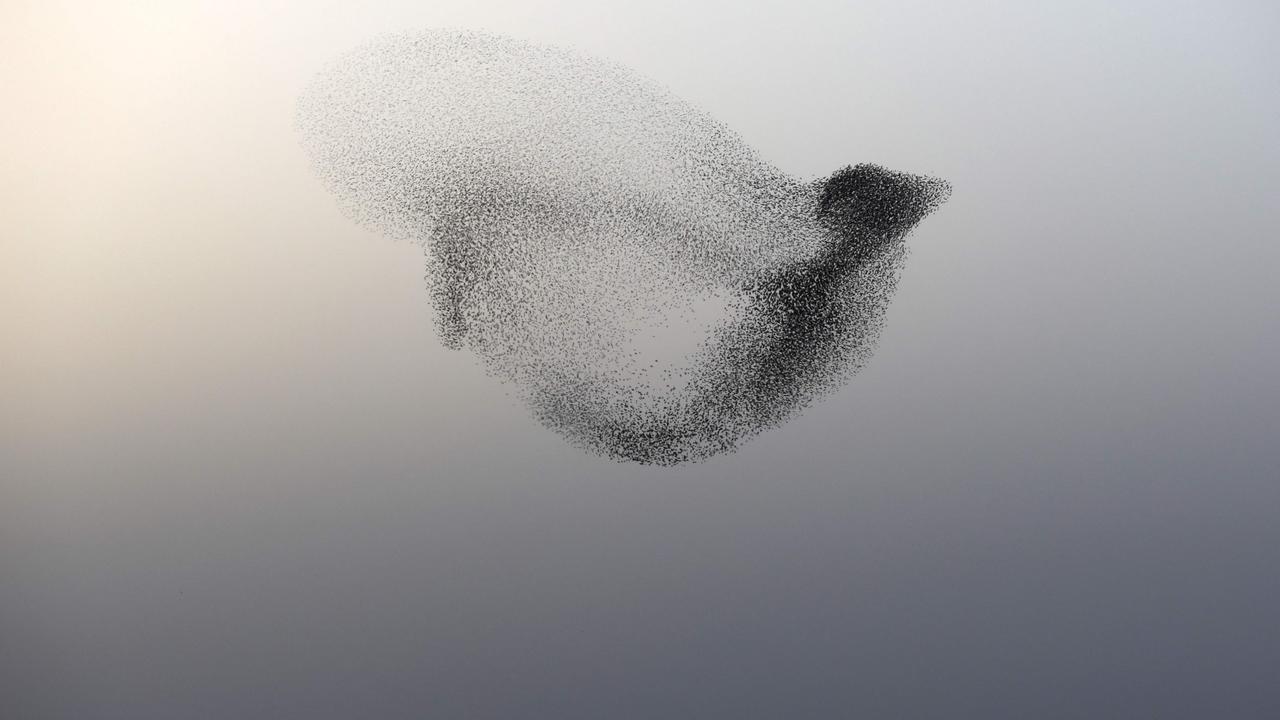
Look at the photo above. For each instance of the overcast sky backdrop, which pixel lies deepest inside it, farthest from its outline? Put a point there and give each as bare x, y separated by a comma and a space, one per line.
241, 478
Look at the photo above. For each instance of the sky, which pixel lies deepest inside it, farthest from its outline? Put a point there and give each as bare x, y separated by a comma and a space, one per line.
241, 477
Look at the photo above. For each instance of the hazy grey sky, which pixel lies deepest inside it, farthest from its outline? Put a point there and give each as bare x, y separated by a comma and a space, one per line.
240, 477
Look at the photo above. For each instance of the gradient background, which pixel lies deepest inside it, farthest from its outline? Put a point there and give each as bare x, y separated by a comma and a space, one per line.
240, 478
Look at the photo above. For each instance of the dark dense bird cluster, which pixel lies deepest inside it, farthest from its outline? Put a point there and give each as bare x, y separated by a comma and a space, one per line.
655, 290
